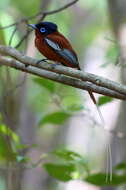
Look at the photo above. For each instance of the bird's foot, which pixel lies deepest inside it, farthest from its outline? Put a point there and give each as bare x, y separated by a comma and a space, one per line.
42, 60
26, 65
53, 65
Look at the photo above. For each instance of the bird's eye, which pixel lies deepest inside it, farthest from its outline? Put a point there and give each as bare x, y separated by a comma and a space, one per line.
42, 29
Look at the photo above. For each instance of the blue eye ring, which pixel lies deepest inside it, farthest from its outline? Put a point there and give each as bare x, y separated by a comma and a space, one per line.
42, 30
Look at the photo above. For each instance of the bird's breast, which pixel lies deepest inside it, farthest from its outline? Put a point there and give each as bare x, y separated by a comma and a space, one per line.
49, 53
45, 50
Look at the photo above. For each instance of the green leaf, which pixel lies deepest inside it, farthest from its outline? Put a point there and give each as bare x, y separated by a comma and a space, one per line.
71, 102
62, 172
104, 100
6, 153
47, 84
112, 53
76, 107
120, 166
99, 179
56, 118
66, 154
7, 131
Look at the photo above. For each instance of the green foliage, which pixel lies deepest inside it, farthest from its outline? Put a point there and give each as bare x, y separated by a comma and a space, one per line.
99, 179
70, 165
28, 8
111, 54
4, 130
104, 100
9, 145
47, 84
62, 172
76, 107
66, 155
56, 118
67, 165
121, 167
72, 102
5, 35
6, 153
91, 33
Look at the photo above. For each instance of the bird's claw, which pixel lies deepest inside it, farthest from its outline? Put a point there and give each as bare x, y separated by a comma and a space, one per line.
53, 65
42, 60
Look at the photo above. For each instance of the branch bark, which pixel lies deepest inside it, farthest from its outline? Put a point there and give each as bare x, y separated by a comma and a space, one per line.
68, 76
85, 76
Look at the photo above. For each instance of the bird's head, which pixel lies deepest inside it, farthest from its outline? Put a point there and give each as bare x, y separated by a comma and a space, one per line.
44, 28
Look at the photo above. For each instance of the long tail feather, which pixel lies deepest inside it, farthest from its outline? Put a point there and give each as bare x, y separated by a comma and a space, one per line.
97, 107
109, 163
109, 152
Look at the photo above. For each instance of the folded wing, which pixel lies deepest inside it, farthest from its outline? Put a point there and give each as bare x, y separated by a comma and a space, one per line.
62, 52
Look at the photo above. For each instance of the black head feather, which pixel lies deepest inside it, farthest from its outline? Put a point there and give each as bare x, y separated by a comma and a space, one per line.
45, 27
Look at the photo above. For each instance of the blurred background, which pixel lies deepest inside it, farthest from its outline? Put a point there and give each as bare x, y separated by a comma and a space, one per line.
51, 137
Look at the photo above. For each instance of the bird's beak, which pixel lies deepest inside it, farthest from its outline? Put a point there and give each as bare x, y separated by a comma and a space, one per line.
33, 26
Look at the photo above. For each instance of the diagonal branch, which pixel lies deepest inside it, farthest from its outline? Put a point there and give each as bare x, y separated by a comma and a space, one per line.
84, 76
54, 73
60, 78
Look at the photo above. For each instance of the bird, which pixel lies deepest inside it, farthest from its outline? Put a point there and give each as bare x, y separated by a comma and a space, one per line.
56, 47
53, 45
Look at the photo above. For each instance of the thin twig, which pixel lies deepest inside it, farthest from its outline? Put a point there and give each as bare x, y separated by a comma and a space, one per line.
28, 32
12, 35
23, 38
40, 13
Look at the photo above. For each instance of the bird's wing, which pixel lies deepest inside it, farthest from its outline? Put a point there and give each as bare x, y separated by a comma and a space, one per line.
62, 52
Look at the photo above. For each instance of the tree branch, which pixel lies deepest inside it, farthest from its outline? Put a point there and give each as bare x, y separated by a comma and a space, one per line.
85, 76
69, 76
40, 15
44, 13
